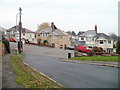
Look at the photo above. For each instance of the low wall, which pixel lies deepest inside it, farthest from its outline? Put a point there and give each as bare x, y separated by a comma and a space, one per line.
40, 45
2, 50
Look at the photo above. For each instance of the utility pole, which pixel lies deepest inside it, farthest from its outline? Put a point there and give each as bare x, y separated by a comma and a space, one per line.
20, 49
20, 24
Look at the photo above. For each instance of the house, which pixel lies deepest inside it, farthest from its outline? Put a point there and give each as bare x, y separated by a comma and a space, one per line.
2, 33
53, 36
26, 34
92, 38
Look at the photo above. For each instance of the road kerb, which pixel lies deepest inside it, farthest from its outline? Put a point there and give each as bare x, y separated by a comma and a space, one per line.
43, 74
109, 65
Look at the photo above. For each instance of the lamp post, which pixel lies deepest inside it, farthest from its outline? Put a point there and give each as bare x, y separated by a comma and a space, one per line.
20, 49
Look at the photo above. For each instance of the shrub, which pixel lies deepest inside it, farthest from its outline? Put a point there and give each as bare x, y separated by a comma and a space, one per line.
118, 47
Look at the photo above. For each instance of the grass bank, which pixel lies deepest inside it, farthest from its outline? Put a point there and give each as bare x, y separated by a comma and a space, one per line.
29, 78
98, 58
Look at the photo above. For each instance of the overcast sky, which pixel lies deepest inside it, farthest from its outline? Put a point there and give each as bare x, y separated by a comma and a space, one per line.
73, 15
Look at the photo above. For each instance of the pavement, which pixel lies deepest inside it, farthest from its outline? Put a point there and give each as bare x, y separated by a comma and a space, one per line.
47, 51
8, 75
100, 63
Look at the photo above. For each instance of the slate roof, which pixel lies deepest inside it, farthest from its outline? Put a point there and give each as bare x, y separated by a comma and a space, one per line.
24, 30
49, 30
103, 35
89, 32
59, 32
2, 29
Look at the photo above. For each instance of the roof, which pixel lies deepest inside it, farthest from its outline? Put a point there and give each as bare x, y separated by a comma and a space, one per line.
2, 29
59, 32
102, 35
24, 30
89, 32
49, 30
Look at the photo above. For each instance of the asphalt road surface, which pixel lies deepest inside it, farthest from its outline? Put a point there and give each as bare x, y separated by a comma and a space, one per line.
71, 75
0, 72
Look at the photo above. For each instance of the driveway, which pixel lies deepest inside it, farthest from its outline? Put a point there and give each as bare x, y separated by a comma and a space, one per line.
72, 75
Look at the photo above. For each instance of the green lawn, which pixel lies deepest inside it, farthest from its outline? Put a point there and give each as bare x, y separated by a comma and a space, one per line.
29, 78
98, 58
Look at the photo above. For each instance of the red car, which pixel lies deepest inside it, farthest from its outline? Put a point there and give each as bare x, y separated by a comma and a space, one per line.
83, 49
12, 40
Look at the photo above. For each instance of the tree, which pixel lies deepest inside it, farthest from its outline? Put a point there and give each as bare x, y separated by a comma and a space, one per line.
118, 47
73, 33
113, 36
43, 26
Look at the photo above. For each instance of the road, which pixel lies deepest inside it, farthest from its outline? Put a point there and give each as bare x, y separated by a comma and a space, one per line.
71, 75
0, 72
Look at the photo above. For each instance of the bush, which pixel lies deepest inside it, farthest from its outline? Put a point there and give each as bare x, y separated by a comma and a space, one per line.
7, 45
46, 42
118, 47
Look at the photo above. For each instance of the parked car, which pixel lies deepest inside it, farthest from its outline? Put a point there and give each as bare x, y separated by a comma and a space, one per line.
12, 40
83, 49
71, 48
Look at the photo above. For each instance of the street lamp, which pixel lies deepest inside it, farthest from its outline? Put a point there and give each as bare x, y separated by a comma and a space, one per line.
20, 46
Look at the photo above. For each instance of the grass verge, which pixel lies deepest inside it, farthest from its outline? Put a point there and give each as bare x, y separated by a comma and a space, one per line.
29, 78
98, 58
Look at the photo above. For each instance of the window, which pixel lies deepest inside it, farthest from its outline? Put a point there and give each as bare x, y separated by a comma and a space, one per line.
32, 39
23, 34
82, 38
109, 42
30, 36
101, 42
38, 34
89, 39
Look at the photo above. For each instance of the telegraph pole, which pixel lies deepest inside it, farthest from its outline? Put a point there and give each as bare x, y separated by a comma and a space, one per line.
20, 49
20, 24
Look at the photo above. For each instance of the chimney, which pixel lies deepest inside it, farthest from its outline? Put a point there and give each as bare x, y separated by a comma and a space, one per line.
52, 26
96, 28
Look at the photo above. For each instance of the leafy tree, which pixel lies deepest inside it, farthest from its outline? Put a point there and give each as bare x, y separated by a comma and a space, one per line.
43, 26
113, 36
118, 47
55, 27
80, 32
73, 33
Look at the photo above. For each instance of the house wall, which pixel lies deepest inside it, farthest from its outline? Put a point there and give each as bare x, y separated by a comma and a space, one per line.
61, 40
56, 39
29, 36
105, 45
